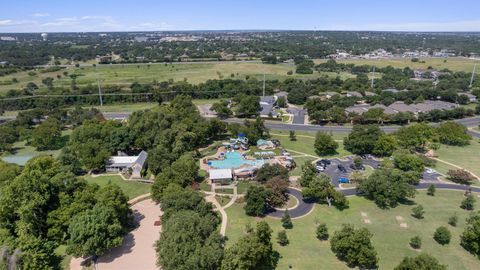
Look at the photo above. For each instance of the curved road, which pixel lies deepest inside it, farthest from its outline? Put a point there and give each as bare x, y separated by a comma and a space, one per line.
305, 207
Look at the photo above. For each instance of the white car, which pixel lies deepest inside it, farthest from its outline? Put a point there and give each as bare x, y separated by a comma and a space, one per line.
430, 171
320, 168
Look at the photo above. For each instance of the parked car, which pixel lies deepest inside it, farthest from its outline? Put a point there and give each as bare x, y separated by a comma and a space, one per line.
320, 168
353, 167
430, 171
344, 180
342, 168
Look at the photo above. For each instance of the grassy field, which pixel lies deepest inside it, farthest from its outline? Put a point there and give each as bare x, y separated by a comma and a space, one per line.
23, 153
453, 63
467, 157
131, 188
192, 72
390, 240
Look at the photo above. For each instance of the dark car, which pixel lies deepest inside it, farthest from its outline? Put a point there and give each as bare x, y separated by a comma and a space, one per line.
353, 167
342, 168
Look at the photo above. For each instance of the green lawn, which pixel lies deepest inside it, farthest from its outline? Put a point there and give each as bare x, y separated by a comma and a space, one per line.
453, 63
131, 188
467, 157
125, 75
390, 240
243, 186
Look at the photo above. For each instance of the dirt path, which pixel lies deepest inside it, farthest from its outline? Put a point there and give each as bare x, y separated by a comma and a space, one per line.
137, 251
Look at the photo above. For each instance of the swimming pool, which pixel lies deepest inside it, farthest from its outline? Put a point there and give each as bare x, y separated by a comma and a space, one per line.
234, 160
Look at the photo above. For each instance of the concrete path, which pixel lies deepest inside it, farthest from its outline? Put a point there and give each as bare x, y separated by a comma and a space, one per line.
211, 198
137, 251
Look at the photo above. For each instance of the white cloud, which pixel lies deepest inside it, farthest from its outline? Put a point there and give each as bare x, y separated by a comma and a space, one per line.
473, 25
40, 15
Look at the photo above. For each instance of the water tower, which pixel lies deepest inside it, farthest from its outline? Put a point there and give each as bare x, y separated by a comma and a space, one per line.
44, 36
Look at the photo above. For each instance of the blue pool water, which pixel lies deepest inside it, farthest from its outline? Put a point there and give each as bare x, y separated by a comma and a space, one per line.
234, 160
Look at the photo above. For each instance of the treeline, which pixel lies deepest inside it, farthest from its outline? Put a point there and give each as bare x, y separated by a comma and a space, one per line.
44, 206
31, 50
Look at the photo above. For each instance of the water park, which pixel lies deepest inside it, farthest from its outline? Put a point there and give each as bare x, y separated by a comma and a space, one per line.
236, 160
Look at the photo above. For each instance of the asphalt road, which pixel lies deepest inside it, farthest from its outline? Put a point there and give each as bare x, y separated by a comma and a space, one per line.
469, 122
303, 208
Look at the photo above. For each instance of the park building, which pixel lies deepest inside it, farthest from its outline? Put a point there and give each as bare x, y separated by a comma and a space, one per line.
130, 165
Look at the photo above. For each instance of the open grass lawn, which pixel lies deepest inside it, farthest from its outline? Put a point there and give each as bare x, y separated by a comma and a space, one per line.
467, 157
23, 153
126, 107
131, 188
297, 171
243, 186
390, 240
304, 144
222, 200
452, 63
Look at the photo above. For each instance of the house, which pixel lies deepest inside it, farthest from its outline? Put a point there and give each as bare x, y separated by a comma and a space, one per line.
430, 105
386, 110
130, 164
369, 94
281, 94
354, 94
222, 176
400, 106
358, 109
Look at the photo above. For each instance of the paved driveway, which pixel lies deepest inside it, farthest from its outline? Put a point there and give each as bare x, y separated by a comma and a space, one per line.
335, 174
304, 207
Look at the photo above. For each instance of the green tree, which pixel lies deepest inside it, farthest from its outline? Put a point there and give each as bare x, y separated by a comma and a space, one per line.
418, 211
468, 203
325, 144
471, 235
442, 235
453, 133
308, 174
37, 253
247, 106
95, 231
287, 221
431, 190
322, 232
387, 187
320, 188
222, 109
362, 139
415, 136
385, 145
189, 241
282, 102
269, 171
256, 201
282, 238
47, 135
416, 242
354, 247
408, 162
292, 136
421, 262
252, 251
9, 172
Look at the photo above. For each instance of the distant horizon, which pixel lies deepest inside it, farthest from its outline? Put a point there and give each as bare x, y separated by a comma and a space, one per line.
241, 30
33, 16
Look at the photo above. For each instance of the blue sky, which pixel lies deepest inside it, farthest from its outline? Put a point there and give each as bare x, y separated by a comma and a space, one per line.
136, 15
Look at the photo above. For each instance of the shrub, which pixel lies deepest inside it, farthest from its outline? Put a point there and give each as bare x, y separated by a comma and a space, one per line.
322, 232
416, 242
282, 238
431, 190
460, 176
417, 212
453, 220
442, 235
287, 221
468, 203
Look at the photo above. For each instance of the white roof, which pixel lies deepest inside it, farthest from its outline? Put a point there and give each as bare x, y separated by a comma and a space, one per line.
123, 159
220, 174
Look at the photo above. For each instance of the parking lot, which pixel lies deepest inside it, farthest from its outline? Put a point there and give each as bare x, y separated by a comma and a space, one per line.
335, 174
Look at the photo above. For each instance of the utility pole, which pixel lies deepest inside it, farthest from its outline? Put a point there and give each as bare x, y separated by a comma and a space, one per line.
264, 83
373, 77
473, 75
99, 88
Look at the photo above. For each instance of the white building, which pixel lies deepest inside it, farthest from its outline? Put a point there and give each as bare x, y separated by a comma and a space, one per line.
220, 175
126, 163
